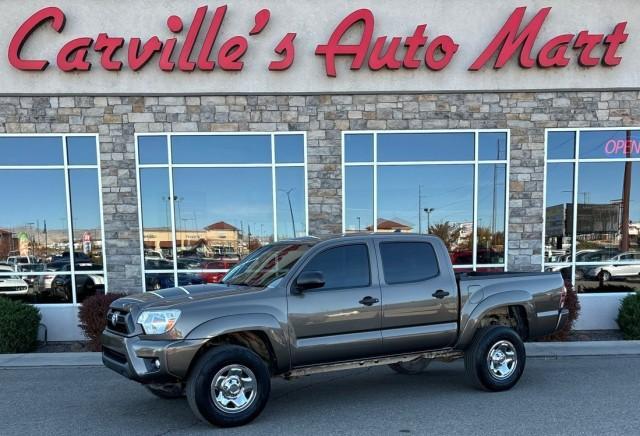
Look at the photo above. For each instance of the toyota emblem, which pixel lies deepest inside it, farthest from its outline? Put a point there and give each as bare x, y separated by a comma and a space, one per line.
114, 318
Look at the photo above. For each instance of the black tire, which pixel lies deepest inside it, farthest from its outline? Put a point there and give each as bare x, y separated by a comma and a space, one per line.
478, 366
202, 376
168, 391
605, 276
412, 367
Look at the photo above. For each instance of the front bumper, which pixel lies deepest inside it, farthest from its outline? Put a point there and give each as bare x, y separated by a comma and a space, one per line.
148, 361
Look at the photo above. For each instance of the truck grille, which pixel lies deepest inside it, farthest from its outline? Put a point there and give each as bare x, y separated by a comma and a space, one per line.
119, 321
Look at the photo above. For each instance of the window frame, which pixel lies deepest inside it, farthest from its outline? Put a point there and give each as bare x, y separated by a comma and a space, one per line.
312, 256
435, 256
475, 162
169, 166
576, 161
66, 167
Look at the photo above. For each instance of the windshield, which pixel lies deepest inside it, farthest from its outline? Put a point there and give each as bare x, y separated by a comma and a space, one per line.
266, 265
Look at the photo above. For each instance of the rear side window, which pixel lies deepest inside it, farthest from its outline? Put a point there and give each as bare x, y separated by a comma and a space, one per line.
343, 267
405, 262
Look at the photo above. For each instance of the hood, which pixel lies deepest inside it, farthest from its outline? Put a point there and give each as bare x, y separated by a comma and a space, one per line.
170, 297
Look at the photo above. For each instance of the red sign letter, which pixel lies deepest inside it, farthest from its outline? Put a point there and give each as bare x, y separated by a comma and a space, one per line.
508, 42
612, 42
108, 46
26, 29
333, 48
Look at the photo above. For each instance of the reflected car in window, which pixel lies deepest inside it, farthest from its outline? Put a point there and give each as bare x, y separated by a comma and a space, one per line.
86, 285
12, 285
157, 281
59, 285
613, 271
216, 277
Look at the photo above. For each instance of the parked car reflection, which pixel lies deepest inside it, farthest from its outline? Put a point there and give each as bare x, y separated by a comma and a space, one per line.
12, 285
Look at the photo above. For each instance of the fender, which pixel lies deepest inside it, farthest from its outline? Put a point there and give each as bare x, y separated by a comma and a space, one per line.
262, 322
471, 315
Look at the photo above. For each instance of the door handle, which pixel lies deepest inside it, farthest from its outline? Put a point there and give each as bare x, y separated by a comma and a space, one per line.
440, 294
368, 301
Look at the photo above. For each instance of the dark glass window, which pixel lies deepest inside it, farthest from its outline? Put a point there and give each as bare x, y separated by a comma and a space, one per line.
561, 145
289, 148
343, 267
81, 150
221, 149
405, 262
358, 148
492, 146
29, 150
404, 147
152, 149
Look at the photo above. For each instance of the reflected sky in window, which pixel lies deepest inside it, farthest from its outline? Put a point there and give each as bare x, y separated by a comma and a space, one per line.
448, 189
241, 197
29, 150
221, 149
405, 147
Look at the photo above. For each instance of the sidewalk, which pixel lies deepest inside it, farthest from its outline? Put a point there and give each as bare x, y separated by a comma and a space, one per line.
544, 350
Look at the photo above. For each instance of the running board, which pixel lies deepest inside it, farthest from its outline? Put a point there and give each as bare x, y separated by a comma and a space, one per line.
377, 361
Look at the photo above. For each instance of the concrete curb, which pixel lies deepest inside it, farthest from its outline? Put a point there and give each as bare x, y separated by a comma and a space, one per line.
546, 350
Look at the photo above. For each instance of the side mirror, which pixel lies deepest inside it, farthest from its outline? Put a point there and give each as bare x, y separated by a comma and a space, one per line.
309, 280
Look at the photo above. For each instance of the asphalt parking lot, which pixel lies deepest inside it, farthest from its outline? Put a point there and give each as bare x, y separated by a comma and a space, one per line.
564, 396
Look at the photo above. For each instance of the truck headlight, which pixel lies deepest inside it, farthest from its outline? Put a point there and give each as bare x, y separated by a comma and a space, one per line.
155, 322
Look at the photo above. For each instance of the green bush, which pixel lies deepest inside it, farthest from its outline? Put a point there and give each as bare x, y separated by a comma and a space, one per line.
629, 317
19, 324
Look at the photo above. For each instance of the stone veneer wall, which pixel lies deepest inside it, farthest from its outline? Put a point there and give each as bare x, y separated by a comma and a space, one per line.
323, 117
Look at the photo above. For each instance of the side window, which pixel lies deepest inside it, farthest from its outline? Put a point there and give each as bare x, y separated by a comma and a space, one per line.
406, 262
343, 267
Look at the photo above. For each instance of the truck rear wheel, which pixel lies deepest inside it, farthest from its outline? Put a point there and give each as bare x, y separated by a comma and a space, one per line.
228, 386
496, 358
411, 367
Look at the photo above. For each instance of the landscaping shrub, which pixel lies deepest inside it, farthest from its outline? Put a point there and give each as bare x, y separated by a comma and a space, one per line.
19, 324
573, 304
93, 317
629, 316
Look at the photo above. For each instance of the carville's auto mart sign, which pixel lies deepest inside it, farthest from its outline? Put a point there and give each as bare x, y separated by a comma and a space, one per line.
299, 46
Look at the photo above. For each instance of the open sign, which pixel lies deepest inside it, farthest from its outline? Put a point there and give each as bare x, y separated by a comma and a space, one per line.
625, 147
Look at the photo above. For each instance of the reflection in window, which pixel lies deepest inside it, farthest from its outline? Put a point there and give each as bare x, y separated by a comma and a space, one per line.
290, 204
606, 221
428, 186
358, 191
435, 199
221, 149
406, 147
231, 194
39, 262
492, 180
559, 212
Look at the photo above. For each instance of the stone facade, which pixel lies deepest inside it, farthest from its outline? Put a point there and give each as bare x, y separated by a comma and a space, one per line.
323, 117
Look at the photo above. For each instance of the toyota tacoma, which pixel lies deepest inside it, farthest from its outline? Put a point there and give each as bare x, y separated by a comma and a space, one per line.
310, 305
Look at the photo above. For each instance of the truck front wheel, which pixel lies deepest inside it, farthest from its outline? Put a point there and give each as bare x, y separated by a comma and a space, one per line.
228, 386
496, 358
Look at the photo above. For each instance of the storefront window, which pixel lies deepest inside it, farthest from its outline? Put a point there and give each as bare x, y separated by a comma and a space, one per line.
451, 184
51, 237
209, 200
592, 216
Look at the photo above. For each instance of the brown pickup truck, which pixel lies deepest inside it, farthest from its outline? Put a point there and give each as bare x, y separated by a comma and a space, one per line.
312, 305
